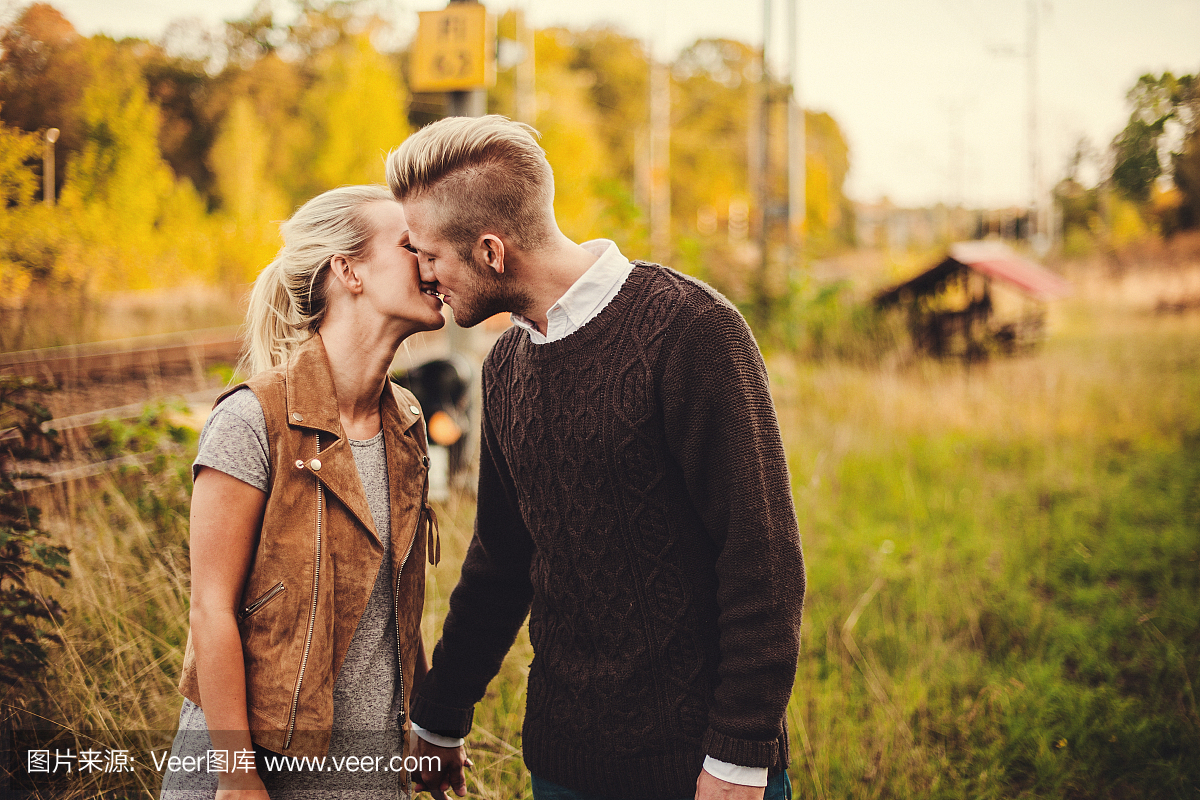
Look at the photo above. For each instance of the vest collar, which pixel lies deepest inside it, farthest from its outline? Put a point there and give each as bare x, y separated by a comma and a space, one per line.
312, 404
310, 390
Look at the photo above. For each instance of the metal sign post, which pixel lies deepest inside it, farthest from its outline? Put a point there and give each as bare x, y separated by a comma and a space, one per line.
455, 53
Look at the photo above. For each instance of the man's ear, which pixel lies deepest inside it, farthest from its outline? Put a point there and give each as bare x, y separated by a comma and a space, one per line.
490, 252
344, 271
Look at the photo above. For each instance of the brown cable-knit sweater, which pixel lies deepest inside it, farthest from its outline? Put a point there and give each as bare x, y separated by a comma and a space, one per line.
633, 492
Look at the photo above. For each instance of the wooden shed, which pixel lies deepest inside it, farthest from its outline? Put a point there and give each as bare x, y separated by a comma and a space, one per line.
980, 299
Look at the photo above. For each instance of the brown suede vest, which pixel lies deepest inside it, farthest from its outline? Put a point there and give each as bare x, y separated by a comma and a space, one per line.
318, 553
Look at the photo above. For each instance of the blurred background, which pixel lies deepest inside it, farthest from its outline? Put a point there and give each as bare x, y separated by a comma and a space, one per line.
966, 235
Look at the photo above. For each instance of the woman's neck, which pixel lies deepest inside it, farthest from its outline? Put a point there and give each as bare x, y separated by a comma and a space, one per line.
359, 360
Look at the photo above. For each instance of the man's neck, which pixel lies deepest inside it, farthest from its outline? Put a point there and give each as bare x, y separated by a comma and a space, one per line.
547, 274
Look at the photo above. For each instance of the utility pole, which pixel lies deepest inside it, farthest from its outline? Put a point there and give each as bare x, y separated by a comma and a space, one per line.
660, 160
470, 102
1039, 233
763, 175
526, 90
797, 145
463, 103
454, 53
48, 166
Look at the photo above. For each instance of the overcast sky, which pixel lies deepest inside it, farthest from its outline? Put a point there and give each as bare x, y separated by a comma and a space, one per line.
932, 94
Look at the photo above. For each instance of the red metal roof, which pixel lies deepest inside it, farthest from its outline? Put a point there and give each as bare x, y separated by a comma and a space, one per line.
997, 260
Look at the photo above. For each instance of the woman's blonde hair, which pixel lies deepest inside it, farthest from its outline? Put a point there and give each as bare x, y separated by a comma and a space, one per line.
287, 304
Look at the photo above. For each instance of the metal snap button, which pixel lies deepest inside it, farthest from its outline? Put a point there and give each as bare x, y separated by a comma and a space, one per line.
299, 464
297, 416
414, 409
315, 464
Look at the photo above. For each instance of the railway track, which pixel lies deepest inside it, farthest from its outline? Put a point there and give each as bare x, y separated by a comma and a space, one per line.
92, 377
115, 380
125, 359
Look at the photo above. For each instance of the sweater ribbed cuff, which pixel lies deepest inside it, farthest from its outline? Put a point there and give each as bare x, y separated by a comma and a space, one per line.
743, 752
448, 721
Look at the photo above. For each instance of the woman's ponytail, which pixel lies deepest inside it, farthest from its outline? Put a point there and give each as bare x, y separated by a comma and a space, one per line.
287, 303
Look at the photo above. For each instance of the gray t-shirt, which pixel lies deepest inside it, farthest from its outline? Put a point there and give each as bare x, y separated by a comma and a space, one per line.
366, 702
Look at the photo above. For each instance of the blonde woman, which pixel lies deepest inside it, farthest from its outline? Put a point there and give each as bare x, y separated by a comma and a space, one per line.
310, 527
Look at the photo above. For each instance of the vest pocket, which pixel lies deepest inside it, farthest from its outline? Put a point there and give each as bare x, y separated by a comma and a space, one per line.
270, 594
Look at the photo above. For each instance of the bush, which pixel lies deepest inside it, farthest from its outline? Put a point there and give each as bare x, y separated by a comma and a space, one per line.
25, 614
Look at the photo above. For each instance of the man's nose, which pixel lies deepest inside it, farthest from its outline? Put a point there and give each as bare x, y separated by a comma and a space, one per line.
426, 270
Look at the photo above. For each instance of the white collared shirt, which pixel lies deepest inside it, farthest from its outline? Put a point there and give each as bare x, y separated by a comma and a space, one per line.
586, 298
582, 303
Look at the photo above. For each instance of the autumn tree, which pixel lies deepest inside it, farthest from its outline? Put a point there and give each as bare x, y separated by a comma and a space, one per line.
829, 213
717, 90
17, 181
17, 185
571, 125
180, 88
1165, 111
353, 115
615, 69
42, 76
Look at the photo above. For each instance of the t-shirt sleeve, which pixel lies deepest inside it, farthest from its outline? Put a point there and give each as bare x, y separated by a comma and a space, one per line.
234, 441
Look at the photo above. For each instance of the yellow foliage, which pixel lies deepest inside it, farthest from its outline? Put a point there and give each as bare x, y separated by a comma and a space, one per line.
820, 203
1126, 224
827, 160
121, 200
120, 166
570, 136
239, 158
275, 89
241, 237
17, 180
17, 185
357, 112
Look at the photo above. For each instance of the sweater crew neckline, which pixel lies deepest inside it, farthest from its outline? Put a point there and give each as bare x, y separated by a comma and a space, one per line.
617, 307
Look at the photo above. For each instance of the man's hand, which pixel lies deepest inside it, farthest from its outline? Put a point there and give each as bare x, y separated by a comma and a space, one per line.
240, 786
712, 788
452, 761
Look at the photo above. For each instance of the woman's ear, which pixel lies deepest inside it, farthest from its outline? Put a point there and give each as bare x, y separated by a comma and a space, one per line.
490, 251
343, 269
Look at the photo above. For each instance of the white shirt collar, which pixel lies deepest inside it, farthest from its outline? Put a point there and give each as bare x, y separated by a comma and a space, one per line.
587, 297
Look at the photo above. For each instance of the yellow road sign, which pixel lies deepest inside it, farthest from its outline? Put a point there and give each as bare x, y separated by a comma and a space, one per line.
454, 50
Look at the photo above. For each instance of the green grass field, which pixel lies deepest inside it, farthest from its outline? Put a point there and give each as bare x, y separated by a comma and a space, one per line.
1003, 572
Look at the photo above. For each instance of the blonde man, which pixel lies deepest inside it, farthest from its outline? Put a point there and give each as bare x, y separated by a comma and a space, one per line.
633, 498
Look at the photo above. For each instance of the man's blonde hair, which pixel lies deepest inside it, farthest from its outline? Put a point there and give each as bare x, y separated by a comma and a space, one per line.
483, 174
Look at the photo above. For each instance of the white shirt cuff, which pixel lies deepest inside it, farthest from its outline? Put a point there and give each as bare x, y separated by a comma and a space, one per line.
732, 773
446, 741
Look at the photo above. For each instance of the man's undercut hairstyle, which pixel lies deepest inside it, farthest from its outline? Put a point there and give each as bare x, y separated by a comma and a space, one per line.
483, 174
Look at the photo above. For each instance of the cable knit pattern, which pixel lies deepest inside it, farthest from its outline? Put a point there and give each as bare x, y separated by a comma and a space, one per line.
634, 500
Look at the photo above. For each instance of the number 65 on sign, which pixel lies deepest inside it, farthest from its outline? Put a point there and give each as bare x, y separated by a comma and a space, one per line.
454, 49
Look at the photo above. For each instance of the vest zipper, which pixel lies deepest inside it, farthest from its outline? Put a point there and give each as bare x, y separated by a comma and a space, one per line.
261, 601
312, 614
396, 605
396, 593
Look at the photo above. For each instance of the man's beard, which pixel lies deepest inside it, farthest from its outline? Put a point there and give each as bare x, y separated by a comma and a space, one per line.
486, 295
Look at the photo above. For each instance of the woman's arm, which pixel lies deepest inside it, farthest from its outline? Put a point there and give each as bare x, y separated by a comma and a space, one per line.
226, 518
